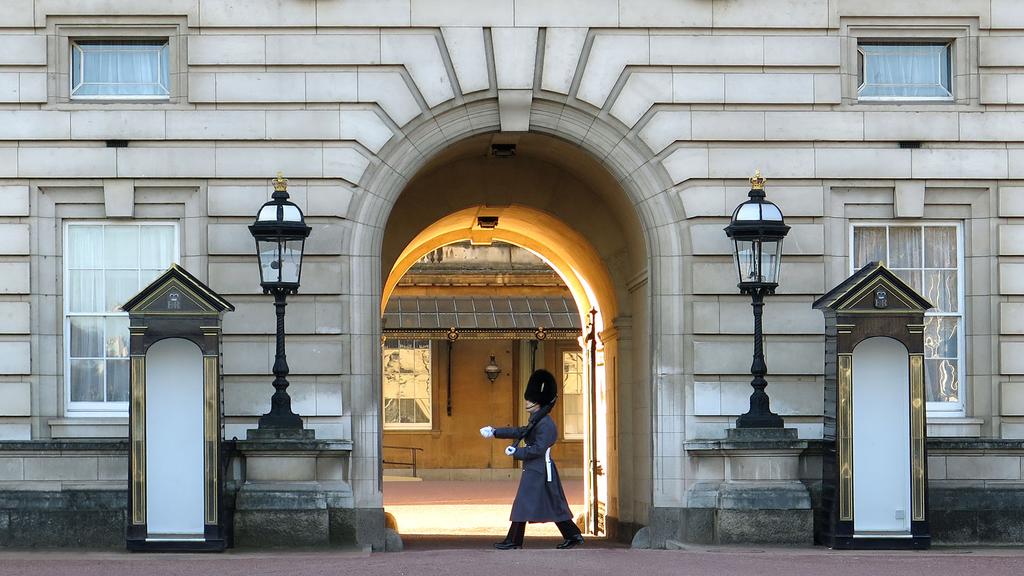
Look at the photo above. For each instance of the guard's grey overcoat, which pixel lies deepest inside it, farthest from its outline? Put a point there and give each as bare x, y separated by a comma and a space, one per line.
537, 499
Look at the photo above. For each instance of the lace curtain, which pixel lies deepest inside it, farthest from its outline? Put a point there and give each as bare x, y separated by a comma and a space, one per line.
109, 68
905, 71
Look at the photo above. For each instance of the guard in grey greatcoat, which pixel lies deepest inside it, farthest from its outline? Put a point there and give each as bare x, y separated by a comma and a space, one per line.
540, 497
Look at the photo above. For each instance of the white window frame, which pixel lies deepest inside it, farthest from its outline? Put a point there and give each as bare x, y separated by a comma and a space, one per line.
939, 409
583, 394
862, 58
411, 426
96, 409
74, 45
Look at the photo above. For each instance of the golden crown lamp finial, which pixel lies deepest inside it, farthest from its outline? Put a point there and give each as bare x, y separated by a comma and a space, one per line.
757, 182
280, 183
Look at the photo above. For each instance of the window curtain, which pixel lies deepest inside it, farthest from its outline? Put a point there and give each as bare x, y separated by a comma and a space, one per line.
119, 69
906, 71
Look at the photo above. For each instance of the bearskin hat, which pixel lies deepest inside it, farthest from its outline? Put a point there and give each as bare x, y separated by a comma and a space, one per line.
541, 388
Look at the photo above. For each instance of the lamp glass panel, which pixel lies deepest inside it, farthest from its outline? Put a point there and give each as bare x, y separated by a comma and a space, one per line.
749, 211
747, 263
771, 260
270, 265
291, 260
290, 213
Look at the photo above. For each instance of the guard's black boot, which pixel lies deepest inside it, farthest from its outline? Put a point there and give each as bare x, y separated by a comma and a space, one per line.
507, 545
514, 539
571, 542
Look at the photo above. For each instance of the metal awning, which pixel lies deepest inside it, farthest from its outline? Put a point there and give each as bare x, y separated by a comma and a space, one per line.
481, 317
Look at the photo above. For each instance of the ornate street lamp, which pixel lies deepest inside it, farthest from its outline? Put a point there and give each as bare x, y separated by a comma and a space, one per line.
757, 230
280, 233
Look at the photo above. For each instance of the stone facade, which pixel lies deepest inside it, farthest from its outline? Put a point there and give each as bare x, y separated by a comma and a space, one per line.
637, 123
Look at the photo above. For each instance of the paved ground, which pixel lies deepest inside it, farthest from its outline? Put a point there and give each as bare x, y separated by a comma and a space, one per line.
473, 556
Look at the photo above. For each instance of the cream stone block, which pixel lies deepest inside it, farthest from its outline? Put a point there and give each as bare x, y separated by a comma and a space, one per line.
261, 87
1011, 240
932, 8
258, 162
202, 87
911, 126
1016, 161
908, 199
709, 240
698, 88
727, 125
16, 431
119, 198
14, 240
1011, 358
1011, 398
1011, 278
169, 162
514, 110
562, 49
303, 125
1001, 51
32, 87
593, 13
965, 163
236, 278
17, 399
332, 87
224, 239
1009, 430
788, 398
772, 13
1011, 318
61, 468
22, 49
257, 13
733, 357
1011, 201
664, 13
324, 48
216, 125
779, 318
365, 127
801, 50
15, 357
328, 201
1007, 14
610, 53
1015, 88
66, 162
280, 468
345, 163
236, 200
988, 467
686, 163
828, 89
421, 56
769, 88
9, 89
462, 13
319, 356
469, 57
363, 13
991, 126
14, 318
18, 14
117, 125
665, 127
773, 162
34, 125
706, 50
720, 278
226, 49
389, 90
838, 126
14, 201
862, 163
640, 92
515, 54
993, 89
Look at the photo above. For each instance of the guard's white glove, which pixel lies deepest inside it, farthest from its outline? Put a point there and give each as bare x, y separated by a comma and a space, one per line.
510, 450
487, 432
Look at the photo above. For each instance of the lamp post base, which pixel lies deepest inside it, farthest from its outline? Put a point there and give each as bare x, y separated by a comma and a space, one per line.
280, 434
769, 420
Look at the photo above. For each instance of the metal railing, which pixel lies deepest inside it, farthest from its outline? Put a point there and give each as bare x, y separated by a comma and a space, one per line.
412, 457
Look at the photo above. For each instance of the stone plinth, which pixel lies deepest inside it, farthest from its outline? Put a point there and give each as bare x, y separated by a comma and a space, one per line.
295, 492
761, 498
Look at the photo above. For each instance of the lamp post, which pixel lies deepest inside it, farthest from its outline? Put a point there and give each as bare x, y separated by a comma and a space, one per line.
280, 232
757, 230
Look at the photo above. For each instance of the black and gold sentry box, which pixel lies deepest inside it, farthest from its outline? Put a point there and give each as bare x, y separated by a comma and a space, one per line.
874, 465
175, 489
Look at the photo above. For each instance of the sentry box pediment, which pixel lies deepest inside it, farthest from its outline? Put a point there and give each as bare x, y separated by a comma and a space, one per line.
175, 492
875, 463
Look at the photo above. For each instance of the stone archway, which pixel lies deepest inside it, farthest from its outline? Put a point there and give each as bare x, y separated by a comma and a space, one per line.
646, 281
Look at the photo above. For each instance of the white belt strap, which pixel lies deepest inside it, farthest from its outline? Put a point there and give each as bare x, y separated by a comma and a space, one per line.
547, 462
